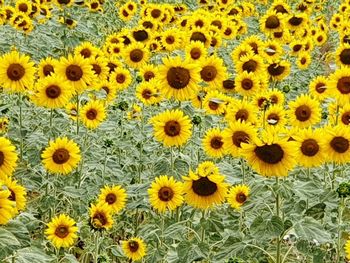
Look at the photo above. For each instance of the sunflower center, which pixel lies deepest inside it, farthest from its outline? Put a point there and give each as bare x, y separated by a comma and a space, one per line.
272, 22
216, 142
199, 23
271, 154
213, 105
278, 34
62, 231
195, 53
208, 73
217, 23
101, 217
198, 36
120, 78
12, 196
242, 115
343, 85
97, 69
146, 94
106, 89
136, 55
170, 40
165, 194
155, 13
228, 84
2, 158
15, 71
86, 53
275, 69
60, 156
273, 118
74, 72
23, 7
241, 198
147, 24
47, 70
91, 114
172, 128
345, 118
303, 113
228, 31
53, 91
320, 87
250, 65
64, 2
239, 137
339, 144
309, 147
295, 21
178, 77
133, 246
140, 35
204, 187
303, 61
111, 198
280, 9
148, 75
247, 84
297, 47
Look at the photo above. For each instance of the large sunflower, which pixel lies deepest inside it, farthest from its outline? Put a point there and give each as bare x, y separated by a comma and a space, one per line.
61, 156
18, 193
76, 70
178, 78
238, 195
134, 248
7, 206
172, 127
213, 143
93, 113
213, 71
114, 197
271, 156
8, 158
62, 231
101, 216
165, 194
16, 72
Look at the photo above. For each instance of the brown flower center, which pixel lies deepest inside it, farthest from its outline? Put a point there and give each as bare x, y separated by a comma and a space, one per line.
239, 137
133, 246
97, 69
170, 40
165, 194
272, 22
178, 77
320, 87
271, 154
136, 55
345, 118
47, 70
303, 113
148, 75
53, 91
15, 71
204, 187
303, 61
2, 158
309, 147
147, 24
216, 142
111, 198
275, 69
120, 78
247, 84
140, 35
146, 93
343, 85
60, 156
228, 84
91, 114
62, 231
198, 36
295, 21
280, 9
106, 89
339, 144
250, 66
297, 47
155, 13
242, 115
23, 7
101, 217
195, 53
273, 119
86, 53
208, 73
213, 105
172, 128
74, 72
12, 196
241, 198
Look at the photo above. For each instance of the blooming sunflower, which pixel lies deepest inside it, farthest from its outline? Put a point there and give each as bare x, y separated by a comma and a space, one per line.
247, 84
172, 127
339, 85
148, 93
165, 193
171, 39
271, 22
148, 71
61, 156
241, 110
17, 193
227, 86
16, 72
99, 68
114, 196
271, 155
134, 248
344, 115
93, 113
101, 216
303, 60
195, 51
8, 158
214, 102
240, 51
4, 122
62, 231
278, 70
109, 90
318, 88
213, 71
135, 55
71, 109
7, 207
238, 195
304, 111
76, 70
347, 249
23, 6
178, 78
249, 64
342, 55
121, 77
271, 50
46, 67
86, 50
213, 143
204, 191
199, 34
274, 116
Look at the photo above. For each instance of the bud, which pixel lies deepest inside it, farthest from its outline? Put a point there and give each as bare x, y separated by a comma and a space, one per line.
196, 120
286, 89
343, 190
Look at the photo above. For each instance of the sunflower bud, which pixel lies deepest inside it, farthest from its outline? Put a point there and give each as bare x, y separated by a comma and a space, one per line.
196, 120
138, 79
286, 89
343, 190
123, 105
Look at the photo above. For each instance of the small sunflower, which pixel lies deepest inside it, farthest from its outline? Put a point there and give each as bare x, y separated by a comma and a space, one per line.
62, 231
93, 113
165, 194
108, 89
148, 72
135, 55
303, 60
134, 248
238, 195
240, 51
318, 88
87, 50
61, 156
171, 39
241, 110
254, 64
339, 85
8, 158
114, 196
274, 116
121, 77
18, 193
271, 22
101, 216
46, 67
7, 207
201, 35
347, 249
278, 70
214, 102
247, 84
99, 68
195, 51
213, 143
148, 93
344, 115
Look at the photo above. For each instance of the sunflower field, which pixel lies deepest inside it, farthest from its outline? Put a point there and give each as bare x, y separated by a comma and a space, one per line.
175, 131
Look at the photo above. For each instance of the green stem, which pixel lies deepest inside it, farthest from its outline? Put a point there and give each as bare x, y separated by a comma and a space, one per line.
243, 170
77, 114
340, 221
51, 117
97, 246
172, 160
20, 127
278, 245
202, 225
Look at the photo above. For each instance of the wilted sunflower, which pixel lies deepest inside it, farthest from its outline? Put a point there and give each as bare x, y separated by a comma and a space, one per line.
318, 88
148, 93
101, 216
134, 248
8, 158
114, 196
16, 72
7, 207
213, 71
62, 231
178, 79
46, 67
61, 156
17, 193
172, 127
165, 194
270, 156
93, 113
238, 195
304, 111
135, 55
121, 77
213, 143
76, 70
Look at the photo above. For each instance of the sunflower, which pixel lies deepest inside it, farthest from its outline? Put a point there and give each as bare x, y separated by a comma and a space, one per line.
8, 158
271, 50
214, 102
238, 195
148, 93
99, 68
121, 77
124, 14
69, 22
204, 191
178, 78
61, 156
347, 249
240, 51
46, 67
171, 39
134, 248
304, 111
93, 114
17, 193
278, 70
195, 51
213, 143
135, 55
199, 34
94, 6
271, 22
87, 50
135, 113
271, 155
148, 72
71, 109
280, 7
101, 216
23, 6
320, 38
247, 84
336, 143
318, 88
108, 89
16, 72
172, 127
241, 110
64, 3
7, 207
339, 85
114, 196
4, 122
303, 60
254, 64
274, 116
344, 115
213, 71
76, 70
62, 231
165, 194
297, 21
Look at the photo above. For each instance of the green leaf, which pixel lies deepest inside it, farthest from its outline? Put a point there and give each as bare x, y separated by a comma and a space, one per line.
69, 258
316, 211
309, 229
267, 227
7, 239
32, 254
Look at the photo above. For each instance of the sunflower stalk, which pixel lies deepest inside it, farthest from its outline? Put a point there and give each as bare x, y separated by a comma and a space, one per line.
278, 245
20, 127
203, 219
77, 123
97, 246
340, 221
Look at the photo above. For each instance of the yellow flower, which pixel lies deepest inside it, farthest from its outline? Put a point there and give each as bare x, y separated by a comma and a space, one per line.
213, 143
93, 113
148, 93
101, 216
7, 207
134, 248
114, 197
8, 158
135, 55
238, 195
62, 231
18, 193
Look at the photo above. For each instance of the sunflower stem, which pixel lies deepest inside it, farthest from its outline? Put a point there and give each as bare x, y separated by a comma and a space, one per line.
202, 225
77, 114
20, 128
172, 160
340, 220
243, 171
278, 245
97, 246
51, 117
